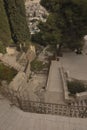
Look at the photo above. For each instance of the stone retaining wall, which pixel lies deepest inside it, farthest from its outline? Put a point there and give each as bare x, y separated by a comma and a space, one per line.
64, 82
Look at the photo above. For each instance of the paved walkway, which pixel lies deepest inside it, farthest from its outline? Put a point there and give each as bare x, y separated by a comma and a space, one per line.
11, 118
54, 80
75, 64
54, 93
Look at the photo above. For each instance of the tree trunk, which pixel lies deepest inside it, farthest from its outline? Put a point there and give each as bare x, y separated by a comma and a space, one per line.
59, 50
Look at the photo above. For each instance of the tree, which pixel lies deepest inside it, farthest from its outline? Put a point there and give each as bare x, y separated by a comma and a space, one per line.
67, 23
5, 34
49, 34
17, 19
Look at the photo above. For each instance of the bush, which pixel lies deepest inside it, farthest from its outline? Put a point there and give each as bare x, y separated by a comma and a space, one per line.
37, 65
76, 86
7, 73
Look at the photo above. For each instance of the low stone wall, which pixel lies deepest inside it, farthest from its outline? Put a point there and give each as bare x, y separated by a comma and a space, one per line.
31, 53
11, 50
81, 96
64, 82
27, 70
19, 83
9, 94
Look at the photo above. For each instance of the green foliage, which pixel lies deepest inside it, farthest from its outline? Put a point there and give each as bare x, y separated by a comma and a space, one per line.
66, 25
50, 5
5, 34
13, 23
49, 33
6, 73
51, 49
37, 65
76, 86
2, 48
17, 19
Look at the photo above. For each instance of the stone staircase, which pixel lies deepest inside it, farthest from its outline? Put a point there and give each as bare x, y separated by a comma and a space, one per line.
11, 61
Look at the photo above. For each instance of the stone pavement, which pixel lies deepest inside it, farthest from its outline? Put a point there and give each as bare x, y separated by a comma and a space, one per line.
54, 81
75, 64
54, 93
11, 118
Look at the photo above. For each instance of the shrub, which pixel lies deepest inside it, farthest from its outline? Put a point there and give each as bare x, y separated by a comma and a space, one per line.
76, 86
37, 65
7, 73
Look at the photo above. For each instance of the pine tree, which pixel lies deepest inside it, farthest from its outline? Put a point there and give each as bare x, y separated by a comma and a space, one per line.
66, 24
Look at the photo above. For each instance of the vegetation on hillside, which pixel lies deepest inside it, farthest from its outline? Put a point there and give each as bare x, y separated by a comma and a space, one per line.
5, 35
6, 73
66, 25
17, 19
76, 87
13, 25
37, 65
